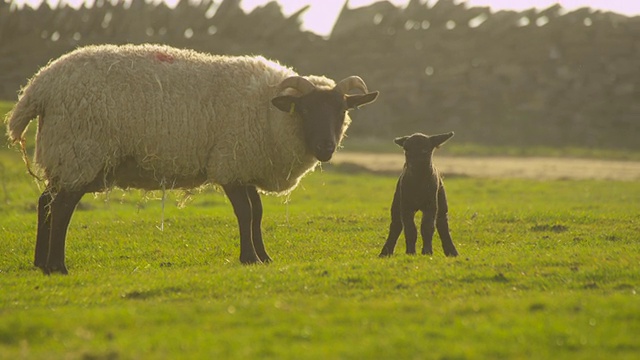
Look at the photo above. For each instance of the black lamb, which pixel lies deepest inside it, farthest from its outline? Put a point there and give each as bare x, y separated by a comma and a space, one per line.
420, 187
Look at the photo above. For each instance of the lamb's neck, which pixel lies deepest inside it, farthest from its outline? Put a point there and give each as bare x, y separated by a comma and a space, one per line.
423, 168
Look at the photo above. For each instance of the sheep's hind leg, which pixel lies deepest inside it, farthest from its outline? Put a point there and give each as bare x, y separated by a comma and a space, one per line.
44, 229
442, 224
256, 223
239, 197
62, 206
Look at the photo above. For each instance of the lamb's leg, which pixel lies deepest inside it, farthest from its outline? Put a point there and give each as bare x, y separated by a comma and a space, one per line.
427, 228
44, 229
410, 231
442, 223
256, 210
62, 206
239, 197
394, 229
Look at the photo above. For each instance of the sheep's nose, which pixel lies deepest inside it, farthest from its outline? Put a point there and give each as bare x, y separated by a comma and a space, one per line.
325, 150
327, 146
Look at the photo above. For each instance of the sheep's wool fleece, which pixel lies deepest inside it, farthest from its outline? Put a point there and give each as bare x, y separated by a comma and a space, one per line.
177, 114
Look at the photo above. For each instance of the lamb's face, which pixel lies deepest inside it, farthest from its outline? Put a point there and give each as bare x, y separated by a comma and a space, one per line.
323, 117
418, 148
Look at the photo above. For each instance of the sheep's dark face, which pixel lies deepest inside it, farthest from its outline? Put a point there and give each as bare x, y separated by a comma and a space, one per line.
323, 117
418, 148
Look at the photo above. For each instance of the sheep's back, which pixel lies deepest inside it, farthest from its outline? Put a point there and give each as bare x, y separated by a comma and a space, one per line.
169, 111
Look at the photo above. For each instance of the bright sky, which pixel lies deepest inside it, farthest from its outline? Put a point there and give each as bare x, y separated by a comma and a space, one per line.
323, 13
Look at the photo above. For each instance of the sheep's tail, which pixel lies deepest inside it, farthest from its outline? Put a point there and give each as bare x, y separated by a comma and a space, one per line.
17, 121
19, 118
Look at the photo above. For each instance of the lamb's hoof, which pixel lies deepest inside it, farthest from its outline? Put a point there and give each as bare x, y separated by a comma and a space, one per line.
452, 254
427, 252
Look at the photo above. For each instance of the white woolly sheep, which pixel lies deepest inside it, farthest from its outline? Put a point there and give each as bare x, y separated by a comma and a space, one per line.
151, 116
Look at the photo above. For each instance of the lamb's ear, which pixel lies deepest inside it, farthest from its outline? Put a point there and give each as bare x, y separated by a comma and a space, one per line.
355, 101
438, 140
400, 141
284, 103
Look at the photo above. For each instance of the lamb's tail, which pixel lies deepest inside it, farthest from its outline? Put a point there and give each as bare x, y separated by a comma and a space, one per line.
17, 121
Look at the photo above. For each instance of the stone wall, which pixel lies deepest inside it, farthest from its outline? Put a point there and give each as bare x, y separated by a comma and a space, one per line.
506, 78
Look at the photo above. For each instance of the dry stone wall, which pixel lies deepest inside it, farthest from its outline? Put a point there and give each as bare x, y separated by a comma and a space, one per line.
507, 78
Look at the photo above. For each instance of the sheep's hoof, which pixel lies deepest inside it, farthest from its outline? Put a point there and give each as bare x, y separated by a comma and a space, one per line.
452, 254
250, 260
385, 253
54, 269
263, 257
426, 252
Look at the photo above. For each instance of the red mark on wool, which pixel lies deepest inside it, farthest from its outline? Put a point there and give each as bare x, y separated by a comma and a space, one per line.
164, 57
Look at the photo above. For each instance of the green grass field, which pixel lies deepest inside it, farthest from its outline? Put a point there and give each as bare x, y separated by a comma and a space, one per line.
548, 269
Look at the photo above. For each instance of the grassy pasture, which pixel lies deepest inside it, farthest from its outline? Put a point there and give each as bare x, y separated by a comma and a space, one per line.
548, 269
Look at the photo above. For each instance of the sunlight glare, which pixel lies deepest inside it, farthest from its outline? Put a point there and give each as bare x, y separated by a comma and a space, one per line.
322, 14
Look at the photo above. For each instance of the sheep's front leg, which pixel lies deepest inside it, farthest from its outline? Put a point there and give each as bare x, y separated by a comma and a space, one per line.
239, 197
256, 228
62, 206
427, 228
44, 229
442, 224
395, 228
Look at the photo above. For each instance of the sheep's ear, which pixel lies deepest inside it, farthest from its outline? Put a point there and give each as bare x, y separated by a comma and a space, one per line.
400, 141
284, 103
439, 140
355, 101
